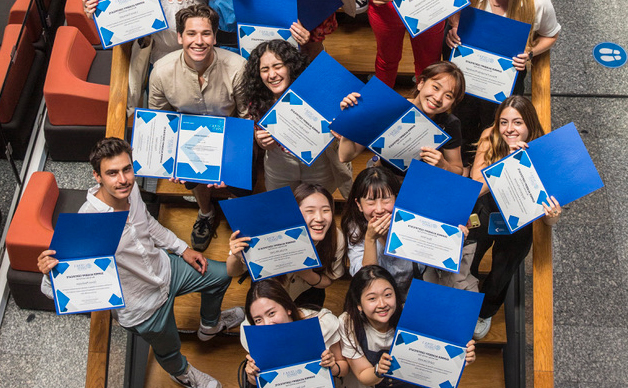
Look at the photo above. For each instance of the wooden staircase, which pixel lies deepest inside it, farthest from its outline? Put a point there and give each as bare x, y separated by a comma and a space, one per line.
353, 46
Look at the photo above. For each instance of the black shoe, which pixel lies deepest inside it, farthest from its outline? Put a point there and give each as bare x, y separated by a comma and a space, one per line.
203, 231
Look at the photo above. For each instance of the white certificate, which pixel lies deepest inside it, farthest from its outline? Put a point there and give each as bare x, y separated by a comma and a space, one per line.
426, 241
487, 75
298, 127
155, 144
119, 21
250, 36
280, 252
307, 375
83, 285
517, 189
420, 15
402, 141
426, 361
201, 142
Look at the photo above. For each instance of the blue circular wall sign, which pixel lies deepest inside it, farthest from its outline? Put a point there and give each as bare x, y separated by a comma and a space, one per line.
609, 54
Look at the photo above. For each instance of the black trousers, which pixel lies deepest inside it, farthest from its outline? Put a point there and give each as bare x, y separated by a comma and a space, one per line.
508, 253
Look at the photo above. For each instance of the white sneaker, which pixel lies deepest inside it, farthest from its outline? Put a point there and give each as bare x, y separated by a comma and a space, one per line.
194, 378
482, 328
228, 319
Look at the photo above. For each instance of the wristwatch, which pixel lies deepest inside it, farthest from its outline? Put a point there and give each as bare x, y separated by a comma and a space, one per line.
376, 370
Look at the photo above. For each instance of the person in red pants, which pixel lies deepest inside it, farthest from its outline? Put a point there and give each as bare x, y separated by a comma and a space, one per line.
389, 32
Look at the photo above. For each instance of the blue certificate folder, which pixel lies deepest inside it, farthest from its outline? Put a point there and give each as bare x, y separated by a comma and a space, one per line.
119, 22
379, 107
275, 214
320, 87
277, 346
484, 32
563, 165
86, 236
444, 314
282, 13
437, 195
215, 149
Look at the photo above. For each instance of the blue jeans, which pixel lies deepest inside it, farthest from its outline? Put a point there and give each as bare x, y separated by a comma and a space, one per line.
160, 330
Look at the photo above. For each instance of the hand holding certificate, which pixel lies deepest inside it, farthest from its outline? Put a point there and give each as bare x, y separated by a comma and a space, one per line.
435, 327
555, 164
430, 206
86, 277
280, 242
205, 149
120, 21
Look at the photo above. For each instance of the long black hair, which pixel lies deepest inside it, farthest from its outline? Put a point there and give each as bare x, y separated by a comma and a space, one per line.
354, 328
273, 290
259, 97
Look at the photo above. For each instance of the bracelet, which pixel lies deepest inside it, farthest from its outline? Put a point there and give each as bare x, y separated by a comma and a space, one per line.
320, 279
376, 370
338, 375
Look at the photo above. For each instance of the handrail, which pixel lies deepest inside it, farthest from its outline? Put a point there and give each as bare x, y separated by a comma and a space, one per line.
543, 297
100, 326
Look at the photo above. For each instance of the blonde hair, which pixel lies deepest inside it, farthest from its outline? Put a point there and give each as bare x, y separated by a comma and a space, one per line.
521, 10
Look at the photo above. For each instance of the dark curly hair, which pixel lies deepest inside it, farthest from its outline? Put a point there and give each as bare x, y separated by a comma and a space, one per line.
106, 148
260, 98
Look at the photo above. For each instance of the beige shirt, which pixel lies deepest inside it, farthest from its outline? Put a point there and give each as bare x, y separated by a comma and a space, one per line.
174, 86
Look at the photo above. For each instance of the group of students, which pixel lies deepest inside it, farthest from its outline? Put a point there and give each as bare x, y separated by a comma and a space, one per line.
203, 79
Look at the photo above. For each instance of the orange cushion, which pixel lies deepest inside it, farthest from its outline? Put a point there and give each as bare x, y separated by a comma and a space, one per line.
16, 78
31, 229
17, 13
75, 17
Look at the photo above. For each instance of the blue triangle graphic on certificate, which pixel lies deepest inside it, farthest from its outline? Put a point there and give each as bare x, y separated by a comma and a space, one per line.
169, 165
445, 384
102, 6
256, 270
106, 35
439, 138
310, 262
413, 23
313, 367
500, 96
63, 301
285, 34
270, 119
406, 338
459, 3
253, 242
398, 2
505, 63
292, 99
542, 198
173, 122
450, 264
246, 30
136, 166
523, 159
495, 171
513, 221
394, 242
409, 118
399, 163
146, 116
453, 351
450, 230
267, 377
158, 24
462, 51
245, 54
403, 216
294, 233
394, 365
324, 126
307, 156
115, 300
102, 263
379, 144
60, 269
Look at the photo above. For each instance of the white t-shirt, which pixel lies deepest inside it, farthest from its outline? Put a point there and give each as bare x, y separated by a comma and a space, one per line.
545, 22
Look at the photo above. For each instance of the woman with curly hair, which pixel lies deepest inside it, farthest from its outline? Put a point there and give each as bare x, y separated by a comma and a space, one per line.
270, 70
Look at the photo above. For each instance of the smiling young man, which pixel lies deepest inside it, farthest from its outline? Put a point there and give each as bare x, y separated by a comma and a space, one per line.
150, 277
199, 79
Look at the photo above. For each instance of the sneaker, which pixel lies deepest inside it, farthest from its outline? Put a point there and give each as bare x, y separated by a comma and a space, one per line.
203, 231
228, 319
361, 6
194, 378
482, 328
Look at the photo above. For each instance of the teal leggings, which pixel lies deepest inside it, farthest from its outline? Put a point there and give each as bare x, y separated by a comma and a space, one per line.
160, 330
